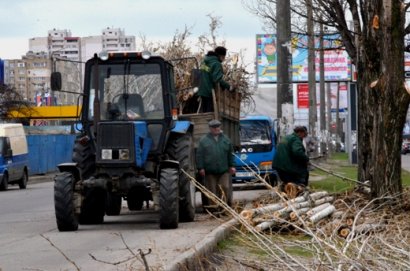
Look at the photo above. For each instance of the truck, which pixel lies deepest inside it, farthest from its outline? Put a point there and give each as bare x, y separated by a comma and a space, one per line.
257, 149
134, 144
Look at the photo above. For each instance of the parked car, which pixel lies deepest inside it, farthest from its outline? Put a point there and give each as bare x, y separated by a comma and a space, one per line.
405, 147
13, 156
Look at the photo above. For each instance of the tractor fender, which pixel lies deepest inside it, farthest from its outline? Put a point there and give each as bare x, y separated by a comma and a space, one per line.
182, 126
70, 167
169, 164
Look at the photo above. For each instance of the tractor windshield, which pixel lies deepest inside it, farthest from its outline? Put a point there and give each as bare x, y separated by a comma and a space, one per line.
128, 91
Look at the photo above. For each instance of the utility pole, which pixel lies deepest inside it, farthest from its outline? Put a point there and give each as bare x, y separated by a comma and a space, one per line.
323, 134
311, 70
284, 68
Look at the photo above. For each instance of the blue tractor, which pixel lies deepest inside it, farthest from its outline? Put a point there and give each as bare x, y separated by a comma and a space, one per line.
133, 144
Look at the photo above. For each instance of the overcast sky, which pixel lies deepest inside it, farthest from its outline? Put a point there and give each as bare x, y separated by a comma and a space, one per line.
155, 19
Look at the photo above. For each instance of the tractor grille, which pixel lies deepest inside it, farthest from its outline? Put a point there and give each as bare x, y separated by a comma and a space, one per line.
115, 137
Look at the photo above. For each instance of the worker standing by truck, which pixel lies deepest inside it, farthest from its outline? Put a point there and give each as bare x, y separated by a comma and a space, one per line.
291, 161
215, 162
211, 76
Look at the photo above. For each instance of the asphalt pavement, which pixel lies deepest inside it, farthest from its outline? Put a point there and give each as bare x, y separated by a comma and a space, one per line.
188, 259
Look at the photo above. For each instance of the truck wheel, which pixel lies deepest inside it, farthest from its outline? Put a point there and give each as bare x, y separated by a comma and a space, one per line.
113, 204
64, 207
168, 198
93, 206
4, 185
84, 156
181, 149
23, 181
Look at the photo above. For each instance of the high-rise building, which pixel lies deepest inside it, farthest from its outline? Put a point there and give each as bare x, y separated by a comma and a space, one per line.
62, 52
30, 75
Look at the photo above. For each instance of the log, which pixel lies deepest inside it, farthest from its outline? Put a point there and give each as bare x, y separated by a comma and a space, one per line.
265, 225
323, 200
318, 209
298, 205
295, 214
322, 214
249, 214
343, 231
285, 212
318, 195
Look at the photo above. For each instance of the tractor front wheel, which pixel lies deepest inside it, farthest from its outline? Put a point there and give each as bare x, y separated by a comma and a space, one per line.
181, 149
66, 217
168, 198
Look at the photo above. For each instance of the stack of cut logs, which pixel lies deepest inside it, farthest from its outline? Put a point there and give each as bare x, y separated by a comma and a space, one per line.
306, 210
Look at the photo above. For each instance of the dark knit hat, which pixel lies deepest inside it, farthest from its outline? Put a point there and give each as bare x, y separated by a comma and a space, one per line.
220, 51
300, 129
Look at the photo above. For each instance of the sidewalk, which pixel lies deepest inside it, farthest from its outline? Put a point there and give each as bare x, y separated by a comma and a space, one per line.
41, 178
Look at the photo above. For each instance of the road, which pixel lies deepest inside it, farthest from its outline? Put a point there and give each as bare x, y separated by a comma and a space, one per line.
29, 239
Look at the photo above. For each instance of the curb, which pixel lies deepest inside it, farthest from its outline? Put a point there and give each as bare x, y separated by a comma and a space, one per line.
41, 178
189, 259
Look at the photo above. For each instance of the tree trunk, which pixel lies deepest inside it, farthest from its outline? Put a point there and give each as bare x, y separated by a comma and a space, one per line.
382, 98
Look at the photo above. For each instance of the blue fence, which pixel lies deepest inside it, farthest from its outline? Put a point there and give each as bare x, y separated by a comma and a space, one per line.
45, 152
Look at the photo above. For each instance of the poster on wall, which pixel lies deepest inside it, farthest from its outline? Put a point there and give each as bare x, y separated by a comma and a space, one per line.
337, 62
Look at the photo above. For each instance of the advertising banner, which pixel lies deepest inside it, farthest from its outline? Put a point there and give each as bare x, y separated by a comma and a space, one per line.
336, 61
302, 95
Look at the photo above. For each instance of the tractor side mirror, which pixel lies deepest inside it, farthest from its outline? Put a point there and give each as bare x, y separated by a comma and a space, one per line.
195, 77
55, 81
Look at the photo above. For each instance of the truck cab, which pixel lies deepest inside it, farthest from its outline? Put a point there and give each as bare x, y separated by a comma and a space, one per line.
257, 149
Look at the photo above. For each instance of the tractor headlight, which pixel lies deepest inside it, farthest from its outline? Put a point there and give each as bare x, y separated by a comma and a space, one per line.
146, 55
124, 154
106, 154
103, 55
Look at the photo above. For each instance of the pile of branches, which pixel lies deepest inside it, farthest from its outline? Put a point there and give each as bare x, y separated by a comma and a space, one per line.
309, 208
317, 211
187, 58
363, 246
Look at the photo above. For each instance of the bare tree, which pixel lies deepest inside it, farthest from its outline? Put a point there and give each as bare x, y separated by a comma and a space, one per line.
376, 46
375, 42
11, 100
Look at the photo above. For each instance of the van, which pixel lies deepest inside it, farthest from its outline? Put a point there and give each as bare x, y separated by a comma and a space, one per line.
13, 156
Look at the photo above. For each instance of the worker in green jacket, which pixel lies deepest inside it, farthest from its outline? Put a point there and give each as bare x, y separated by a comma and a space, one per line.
211, 76
291, 160
215, 162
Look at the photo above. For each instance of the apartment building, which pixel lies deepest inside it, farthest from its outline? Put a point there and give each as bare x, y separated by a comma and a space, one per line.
63, 52
30, 75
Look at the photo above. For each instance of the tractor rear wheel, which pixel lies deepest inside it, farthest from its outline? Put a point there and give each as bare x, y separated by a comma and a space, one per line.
93, 206
113, 204
135, 198
168, 198
66, 217
84, 156
181, 149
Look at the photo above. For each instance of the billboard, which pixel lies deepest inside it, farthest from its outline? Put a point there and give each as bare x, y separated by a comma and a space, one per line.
337, 62
302, 95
